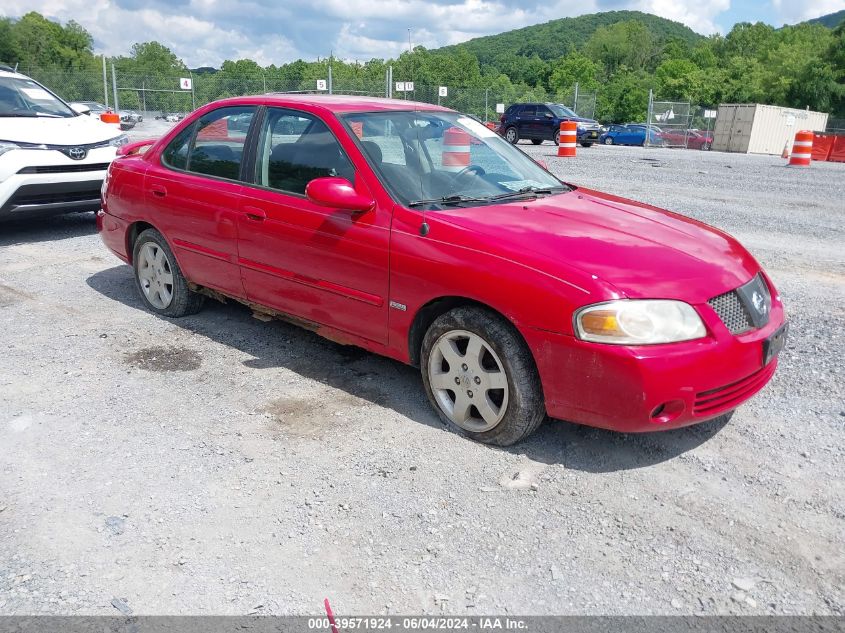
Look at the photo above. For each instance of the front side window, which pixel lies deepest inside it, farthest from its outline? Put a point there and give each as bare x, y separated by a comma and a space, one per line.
431, 158
21, 97
562, 112
294, 148
529, 111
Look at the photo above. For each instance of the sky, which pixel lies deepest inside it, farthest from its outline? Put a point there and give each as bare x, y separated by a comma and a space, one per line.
206, 32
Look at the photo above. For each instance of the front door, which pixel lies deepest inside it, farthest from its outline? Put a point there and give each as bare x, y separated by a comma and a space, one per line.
326, 265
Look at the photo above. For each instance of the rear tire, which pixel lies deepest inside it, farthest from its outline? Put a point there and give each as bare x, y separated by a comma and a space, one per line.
556, 137
512, 135
158, 278
480, 377
705, 147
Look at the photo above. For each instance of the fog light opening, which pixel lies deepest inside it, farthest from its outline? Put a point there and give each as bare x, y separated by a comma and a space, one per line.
668, 411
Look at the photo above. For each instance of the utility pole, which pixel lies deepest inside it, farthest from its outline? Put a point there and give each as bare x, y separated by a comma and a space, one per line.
114, 88
390, 82
105, 82
330, 71
575, 103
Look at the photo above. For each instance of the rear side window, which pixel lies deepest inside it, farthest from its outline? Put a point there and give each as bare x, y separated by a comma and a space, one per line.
294, 149
218, 148
176, 153
529, 111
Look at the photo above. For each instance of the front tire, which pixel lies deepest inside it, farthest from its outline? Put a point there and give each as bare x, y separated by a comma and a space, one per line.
160, 282
608, 140
512, 135
480, 377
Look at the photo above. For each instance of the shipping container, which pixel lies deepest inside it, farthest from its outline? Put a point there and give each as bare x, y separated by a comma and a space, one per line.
753, 128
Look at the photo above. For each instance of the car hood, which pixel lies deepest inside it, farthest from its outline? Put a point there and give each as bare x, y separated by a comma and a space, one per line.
582, 120
78, 130
633, 249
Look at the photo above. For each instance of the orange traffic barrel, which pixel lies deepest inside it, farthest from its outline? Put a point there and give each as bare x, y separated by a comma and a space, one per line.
802, 149
455, 149
110, 117
568, 138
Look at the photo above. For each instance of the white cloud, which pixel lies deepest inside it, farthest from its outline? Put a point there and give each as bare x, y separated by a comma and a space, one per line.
205, 32
790, 11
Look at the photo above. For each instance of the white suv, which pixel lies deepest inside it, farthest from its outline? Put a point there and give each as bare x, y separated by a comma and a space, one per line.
53, 157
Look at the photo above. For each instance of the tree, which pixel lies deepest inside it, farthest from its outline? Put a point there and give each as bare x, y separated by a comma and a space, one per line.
575, 68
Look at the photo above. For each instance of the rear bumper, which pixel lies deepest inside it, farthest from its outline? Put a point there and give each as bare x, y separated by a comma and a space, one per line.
113, 232
623, 388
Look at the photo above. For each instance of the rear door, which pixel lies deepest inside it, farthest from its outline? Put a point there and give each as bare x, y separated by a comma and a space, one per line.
193, 194
326, 265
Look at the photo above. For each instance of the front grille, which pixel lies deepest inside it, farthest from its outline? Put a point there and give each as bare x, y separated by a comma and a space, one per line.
732, 312
63, 169
732, 395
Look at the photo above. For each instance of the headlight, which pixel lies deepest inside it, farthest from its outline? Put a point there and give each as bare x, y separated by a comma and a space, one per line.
639, 322
117, 141
6, 146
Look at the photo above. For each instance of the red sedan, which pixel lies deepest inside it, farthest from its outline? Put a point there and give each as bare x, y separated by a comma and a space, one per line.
416, 232
691, 139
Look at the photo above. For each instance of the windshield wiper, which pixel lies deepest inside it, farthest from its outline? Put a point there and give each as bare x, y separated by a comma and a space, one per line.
455, 199
18, 114
532, 192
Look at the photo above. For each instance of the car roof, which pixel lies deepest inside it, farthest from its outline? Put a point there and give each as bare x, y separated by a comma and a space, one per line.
12, 73
333, 103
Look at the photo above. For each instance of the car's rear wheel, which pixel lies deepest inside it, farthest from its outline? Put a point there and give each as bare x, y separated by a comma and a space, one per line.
556, 137
512, 135
160, 282
480, 377
536, 141
705, 146
608, 140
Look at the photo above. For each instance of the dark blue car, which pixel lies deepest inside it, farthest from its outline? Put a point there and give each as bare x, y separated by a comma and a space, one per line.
631, 134
540, 122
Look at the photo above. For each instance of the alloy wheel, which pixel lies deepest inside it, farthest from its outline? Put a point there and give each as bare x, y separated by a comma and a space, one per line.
468, 381
155, 275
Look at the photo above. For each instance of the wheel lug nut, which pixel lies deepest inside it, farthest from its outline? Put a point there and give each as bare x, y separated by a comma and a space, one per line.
457, 380
464, 367
469, 393
477, 380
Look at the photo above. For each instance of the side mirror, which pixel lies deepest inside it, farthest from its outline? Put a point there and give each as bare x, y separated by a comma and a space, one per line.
80, 108
549, 115
337, 193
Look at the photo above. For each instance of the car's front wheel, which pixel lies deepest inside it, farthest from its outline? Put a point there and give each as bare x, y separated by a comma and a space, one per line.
160, 281
608, 140
480, 377
512, 135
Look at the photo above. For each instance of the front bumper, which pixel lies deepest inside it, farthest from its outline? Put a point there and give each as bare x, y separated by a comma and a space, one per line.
41, 182
623, 388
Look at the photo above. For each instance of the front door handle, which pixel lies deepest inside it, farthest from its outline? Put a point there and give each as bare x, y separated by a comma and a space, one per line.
159, 190
255, 214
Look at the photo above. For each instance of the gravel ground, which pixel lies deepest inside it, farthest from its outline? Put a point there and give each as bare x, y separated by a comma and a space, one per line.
217, 464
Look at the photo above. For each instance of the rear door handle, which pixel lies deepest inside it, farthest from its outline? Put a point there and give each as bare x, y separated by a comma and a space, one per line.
255, 214
159, 190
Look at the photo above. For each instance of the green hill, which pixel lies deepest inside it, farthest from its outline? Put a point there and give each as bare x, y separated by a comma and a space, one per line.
831, 20
556, 38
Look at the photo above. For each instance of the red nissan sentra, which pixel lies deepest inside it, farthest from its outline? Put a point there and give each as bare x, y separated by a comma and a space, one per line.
415, 232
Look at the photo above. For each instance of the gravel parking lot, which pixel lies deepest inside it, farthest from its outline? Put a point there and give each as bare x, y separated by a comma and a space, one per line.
217, 464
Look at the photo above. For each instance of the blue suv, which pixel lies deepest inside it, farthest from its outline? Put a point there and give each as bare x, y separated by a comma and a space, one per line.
540, 122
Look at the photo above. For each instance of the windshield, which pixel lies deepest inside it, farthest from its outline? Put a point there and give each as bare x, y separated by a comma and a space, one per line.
561, 111
25, 97
430, 159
